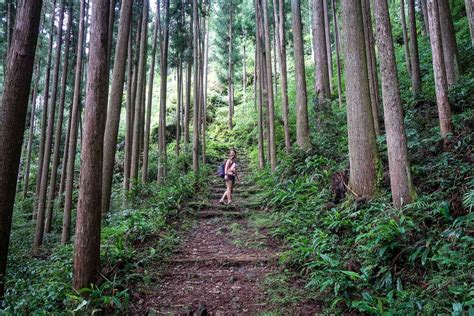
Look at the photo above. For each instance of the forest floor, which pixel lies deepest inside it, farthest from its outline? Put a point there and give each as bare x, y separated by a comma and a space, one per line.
225, 265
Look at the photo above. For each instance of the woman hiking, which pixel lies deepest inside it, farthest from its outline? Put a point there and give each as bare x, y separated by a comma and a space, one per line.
230, 175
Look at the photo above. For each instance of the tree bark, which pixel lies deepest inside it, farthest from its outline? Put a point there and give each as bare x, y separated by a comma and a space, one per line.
441, 82
179, 105
196, 89
59, 128
405, 37
75, 118
244, 71
327, 30
470, 18
323, 89
279, 16
62, 180
371, 65
448, 39
187, 104
164, 37
149, 102
338, 59
259, 85
139, 95
415, 60
230, 72
360, 124
40, 221
31, 131
399, 166
110, 32
13, 110
302, 128
270, 99
130, 112
87, 244
115, 103
44, 118
204, 92
424, 12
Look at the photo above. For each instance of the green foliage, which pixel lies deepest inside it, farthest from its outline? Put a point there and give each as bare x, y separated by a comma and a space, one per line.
370, 257
227, 17
41, 283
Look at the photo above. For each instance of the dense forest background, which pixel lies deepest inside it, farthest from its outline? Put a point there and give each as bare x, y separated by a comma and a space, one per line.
356, 118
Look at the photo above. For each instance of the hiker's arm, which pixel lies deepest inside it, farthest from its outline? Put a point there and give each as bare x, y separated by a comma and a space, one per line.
226, 168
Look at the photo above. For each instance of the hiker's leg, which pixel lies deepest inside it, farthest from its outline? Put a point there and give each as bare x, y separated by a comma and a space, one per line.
229, 190
225, 192
223, 196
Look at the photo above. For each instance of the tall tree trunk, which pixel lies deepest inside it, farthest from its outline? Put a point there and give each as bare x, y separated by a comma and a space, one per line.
405, 37
302, 128
139, 95
448, 39
115, 103
244, 71
179, 98
230, 72
327, 31
270, 99
40, 221
279, 16
110, 31
149, 102
141, 125
187, 104
131, 73
320, 52
13, 110
441, 82
360, 124
399, 166
59, 128
196, 88
204, 92
164, 37
470, 18
75, 119
275, 61
44, 118
87, 244
338, 59
424, 12
415, 60
259, 85
371, 67
31, 131
62, 180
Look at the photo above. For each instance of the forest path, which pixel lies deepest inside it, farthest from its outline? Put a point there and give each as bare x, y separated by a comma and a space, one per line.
222, 262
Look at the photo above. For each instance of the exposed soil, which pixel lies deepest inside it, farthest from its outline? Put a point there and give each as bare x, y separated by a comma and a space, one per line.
219, 268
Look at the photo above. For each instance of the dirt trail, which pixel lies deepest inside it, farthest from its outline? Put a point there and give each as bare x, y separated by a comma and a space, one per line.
220, 266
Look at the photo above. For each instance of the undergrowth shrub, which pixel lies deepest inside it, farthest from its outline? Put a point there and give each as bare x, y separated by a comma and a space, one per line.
366, 256
132, 235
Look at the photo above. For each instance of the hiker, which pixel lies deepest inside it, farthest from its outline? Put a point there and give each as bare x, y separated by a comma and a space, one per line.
230, 175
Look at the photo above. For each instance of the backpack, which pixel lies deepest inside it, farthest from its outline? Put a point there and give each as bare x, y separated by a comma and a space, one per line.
221, 170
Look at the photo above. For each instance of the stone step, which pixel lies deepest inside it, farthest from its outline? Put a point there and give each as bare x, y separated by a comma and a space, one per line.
236, 205
237, 190
234, 261
212, 214
217, 196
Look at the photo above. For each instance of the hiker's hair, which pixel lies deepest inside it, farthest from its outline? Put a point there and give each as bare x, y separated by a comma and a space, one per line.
233, 150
